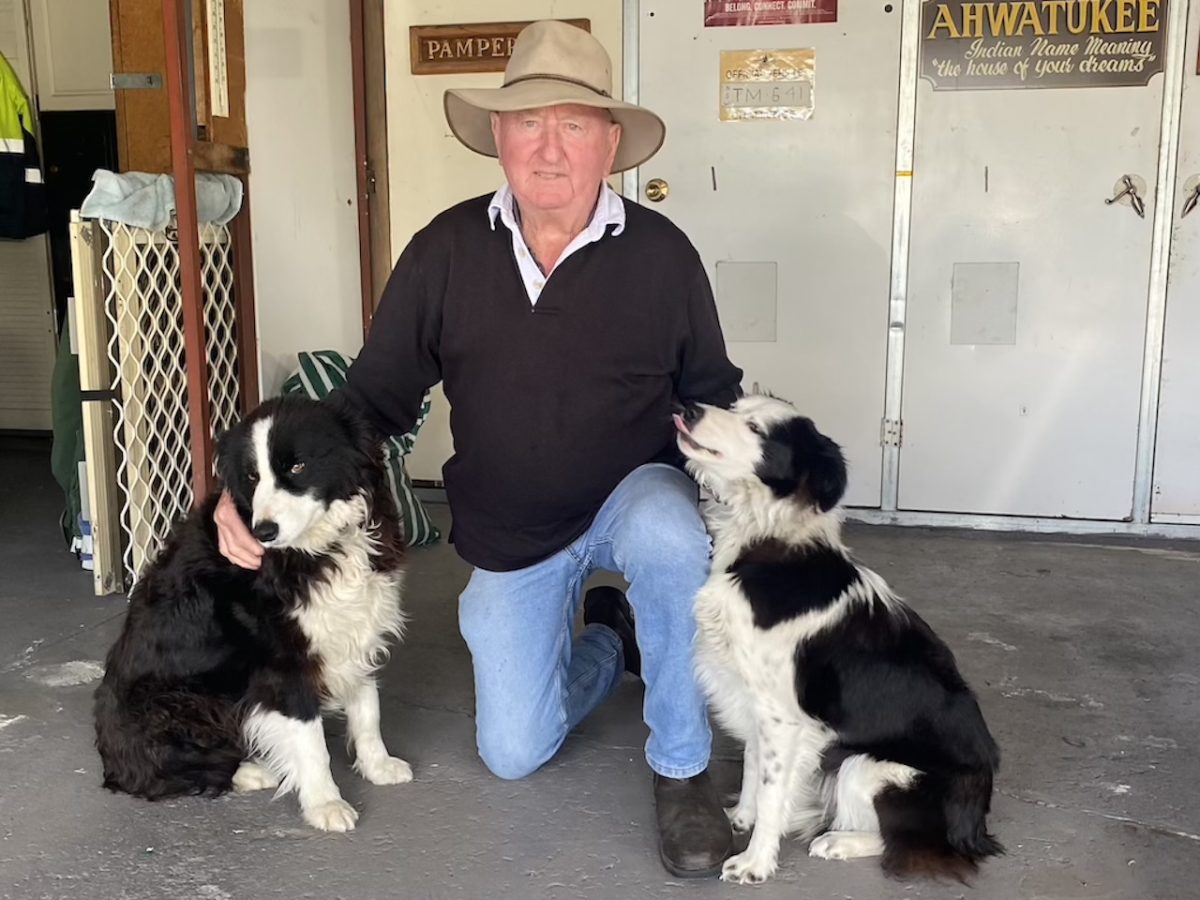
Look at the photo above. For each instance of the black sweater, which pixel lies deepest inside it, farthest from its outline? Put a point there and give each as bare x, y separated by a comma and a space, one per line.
551, 405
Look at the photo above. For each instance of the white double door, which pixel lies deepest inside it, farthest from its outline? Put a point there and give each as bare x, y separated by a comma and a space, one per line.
1026, 292
1176, 494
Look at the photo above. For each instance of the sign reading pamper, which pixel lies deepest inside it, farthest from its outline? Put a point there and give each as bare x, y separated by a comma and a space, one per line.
997, 44
457, 49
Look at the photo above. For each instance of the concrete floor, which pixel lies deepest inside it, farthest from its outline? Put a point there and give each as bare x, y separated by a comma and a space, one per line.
1085, 654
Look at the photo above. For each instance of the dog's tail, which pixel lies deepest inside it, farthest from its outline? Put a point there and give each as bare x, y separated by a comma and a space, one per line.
937, 826
167, 743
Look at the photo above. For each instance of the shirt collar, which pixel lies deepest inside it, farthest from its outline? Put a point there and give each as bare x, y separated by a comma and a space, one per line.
609, 211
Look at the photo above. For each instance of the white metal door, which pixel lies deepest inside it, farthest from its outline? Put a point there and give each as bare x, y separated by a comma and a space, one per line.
792, 217
1027, 297
1177, 457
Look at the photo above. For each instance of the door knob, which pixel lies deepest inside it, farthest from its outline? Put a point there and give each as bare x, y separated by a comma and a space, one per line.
657, 190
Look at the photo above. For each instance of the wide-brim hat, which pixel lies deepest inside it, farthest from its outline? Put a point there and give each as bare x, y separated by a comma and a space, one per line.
552, 63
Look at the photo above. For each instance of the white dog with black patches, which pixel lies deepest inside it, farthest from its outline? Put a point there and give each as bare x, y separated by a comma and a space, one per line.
857, 724
222, 675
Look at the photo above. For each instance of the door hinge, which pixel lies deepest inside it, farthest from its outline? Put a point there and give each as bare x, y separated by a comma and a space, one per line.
131, 81
891, 432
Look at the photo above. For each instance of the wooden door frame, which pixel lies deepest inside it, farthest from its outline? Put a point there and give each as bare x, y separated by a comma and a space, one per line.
199, 141
369, 82
183, 166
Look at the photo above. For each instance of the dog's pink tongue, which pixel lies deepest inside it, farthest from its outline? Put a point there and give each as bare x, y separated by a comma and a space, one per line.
679, 423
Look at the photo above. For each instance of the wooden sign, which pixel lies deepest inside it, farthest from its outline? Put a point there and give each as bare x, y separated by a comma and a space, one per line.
455, 49
1018, 44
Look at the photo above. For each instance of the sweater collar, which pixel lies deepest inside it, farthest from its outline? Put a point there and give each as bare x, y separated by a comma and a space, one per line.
609, 211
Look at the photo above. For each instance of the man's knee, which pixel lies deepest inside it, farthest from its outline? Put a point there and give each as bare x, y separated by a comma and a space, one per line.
662, 522
517, 753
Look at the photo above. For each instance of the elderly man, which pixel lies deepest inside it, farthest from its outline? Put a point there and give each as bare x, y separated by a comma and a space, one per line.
564, 323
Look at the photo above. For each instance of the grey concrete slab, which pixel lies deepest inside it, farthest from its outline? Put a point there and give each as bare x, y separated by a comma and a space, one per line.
36, 569
1084, 653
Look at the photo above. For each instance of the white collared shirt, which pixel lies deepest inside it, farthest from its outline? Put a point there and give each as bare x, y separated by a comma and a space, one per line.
610, 210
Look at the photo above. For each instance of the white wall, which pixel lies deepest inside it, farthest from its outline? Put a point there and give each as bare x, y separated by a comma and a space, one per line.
428, 169
299, 112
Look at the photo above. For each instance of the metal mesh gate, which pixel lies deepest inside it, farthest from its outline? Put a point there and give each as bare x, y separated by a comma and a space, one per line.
143, 307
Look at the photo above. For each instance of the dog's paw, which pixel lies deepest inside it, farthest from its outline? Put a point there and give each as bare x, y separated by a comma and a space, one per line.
746, 868
846, 845
389, 770
825, 847
336, 815
741, 819
253, 776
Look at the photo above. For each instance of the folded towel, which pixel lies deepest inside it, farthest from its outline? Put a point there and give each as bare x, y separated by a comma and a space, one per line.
148, 201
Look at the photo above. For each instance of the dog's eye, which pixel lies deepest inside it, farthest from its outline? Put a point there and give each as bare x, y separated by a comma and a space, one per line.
297, 468
252, 476
753, 426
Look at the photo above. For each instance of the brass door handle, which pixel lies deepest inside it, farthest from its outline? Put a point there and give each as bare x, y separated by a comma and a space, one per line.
657, 190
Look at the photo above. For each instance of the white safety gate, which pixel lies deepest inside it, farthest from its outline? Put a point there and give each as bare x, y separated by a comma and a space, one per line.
134, 378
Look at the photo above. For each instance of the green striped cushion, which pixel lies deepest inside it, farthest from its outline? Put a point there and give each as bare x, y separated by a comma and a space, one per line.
324, 371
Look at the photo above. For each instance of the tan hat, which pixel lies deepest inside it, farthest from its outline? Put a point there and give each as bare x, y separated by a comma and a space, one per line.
553, 62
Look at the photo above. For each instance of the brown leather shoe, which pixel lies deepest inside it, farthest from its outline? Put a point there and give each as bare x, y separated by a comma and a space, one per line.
694, 835
607, 605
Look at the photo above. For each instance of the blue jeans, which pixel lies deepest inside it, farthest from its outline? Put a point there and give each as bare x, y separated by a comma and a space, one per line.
533, 683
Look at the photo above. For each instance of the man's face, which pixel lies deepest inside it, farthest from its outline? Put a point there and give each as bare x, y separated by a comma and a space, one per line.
556, 156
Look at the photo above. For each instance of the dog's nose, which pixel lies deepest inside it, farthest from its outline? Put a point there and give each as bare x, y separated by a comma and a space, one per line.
266, 530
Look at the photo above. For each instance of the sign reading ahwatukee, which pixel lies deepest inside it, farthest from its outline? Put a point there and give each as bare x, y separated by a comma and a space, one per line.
996, 44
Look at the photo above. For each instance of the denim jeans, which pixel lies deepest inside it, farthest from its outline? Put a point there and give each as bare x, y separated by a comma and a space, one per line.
534, 682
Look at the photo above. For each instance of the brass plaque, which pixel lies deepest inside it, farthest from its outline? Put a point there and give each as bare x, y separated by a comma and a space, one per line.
767, 84
455, 49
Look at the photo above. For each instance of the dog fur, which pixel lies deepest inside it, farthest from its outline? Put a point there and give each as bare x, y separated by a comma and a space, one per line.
860, 733
221, 675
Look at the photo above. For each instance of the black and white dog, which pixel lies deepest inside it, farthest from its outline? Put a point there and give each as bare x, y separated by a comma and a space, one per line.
220, 675
857, 724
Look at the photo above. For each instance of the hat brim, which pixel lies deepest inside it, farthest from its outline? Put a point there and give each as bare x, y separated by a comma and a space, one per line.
468, 112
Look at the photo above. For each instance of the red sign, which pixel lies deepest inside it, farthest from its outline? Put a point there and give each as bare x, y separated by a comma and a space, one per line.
768, 12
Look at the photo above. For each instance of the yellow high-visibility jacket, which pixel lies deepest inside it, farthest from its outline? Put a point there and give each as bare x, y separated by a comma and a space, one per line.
23, 210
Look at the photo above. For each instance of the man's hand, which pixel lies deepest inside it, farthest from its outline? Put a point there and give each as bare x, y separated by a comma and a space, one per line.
234, 539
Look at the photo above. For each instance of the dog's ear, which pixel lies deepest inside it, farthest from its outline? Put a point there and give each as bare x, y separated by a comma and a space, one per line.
225, 451
798, 459
826, 480
778, 468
